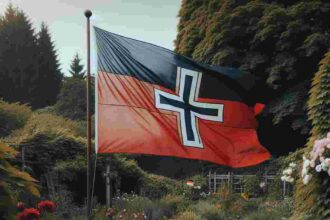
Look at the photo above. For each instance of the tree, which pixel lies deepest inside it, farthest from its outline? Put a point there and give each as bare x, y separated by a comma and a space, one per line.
29, 69
76, 69
17, 56
71, 101
279, 41
47, 84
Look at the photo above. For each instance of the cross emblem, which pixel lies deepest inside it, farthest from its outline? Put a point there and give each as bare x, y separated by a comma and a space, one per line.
188, 108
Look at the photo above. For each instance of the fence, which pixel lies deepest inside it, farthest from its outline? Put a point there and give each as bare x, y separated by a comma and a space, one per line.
235, 182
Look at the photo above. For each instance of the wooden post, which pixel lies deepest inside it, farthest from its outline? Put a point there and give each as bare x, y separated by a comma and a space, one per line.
108, 186
88, 14
210, 187
215, 182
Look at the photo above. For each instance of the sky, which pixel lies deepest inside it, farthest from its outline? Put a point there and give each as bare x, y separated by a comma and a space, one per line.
153, 21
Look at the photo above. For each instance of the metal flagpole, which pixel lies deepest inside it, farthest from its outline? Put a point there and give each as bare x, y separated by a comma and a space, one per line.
88, 14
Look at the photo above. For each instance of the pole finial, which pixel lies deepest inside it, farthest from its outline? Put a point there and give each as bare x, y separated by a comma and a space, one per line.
88, 13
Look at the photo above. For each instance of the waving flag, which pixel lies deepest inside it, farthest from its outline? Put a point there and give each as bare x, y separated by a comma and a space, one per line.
151, 100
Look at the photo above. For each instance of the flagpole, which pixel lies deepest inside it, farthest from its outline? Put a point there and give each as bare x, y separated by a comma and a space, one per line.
88, 14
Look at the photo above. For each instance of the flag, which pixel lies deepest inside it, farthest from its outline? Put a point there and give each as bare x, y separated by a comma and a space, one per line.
151, 100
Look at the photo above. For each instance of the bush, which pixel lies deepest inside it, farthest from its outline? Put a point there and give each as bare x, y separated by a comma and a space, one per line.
175, 202
187, 215
251, 185
155, 186
274, 189
207, 210
12, 116
49, 123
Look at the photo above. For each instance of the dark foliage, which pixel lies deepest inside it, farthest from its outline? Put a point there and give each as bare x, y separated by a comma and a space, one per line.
72, 99
279, 41
76, 68
29, 70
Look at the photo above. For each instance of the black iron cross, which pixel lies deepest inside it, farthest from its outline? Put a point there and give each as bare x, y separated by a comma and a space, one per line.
187, 107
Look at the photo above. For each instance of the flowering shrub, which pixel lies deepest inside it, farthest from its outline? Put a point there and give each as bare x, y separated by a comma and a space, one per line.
318, 159
288, 173
29, 214
46, 206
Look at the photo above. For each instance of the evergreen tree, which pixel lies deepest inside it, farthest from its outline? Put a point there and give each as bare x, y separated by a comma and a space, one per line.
76, 69
48, 82
18, 52
279, 41
29, 69
71, 101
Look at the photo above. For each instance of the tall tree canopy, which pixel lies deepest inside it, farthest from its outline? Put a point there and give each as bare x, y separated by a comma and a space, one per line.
279, 41
49, 75
76, 68
29, 70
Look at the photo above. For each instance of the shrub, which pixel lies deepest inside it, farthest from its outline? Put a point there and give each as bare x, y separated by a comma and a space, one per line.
251, 185
12, 181
274, 189
187, 215
12, 116
155, 186
47, 123
207, 210
175, 202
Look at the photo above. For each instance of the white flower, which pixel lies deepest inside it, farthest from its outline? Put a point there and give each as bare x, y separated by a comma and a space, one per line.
306, 179
290, 179
327, 161
289, 171
324, 166
318, 168
263, 184
283, 178
292, 165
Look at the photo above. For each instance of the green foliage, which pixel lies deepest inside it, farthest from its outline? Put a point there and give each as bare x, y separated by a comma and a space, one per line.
12, 181
46, 123
164, 208
319, 101
312, 199
66, 209
71, 101
279, 41
251, 185
49, 148
274, 189
206, 210
155, 186
49, 77
12, 116
29, 71
76, 69
188, 215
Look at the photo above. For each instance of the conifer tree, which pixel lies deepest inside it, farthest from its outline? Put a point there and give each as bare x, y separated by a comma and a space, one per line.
49, 77
76, 68
29, 69
18, 53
